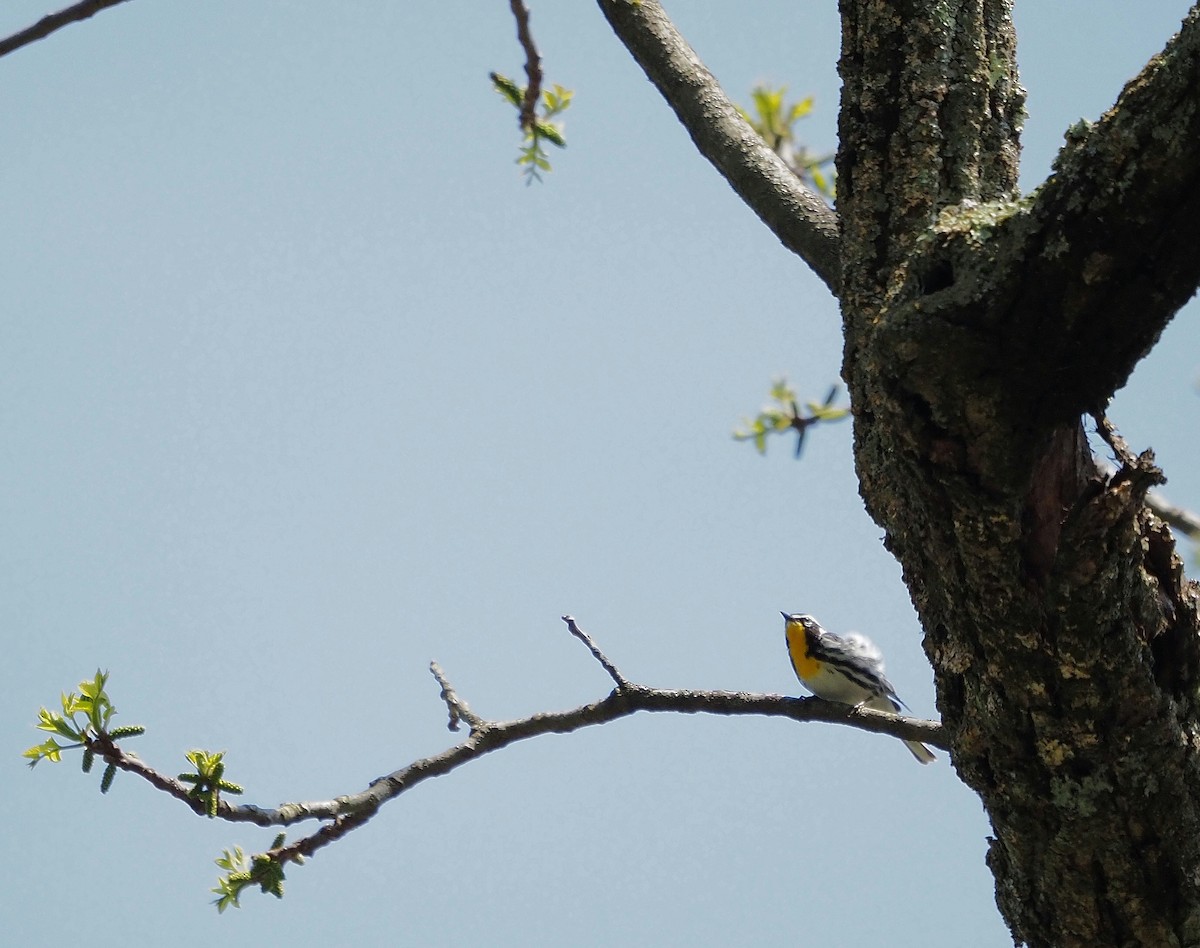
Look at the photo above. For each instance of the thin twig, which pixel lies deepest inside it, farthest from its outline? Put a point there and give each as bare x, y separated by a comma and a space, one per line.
621, 681
458, 708
1108, 434
114, 754
54, 21
533, 65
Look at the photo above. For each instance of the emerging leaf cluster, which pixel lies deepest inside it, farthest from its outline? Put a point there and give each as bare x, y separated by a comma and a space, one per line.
775, 121
84, 719
555, 101
262, 869
782, 413
208, 780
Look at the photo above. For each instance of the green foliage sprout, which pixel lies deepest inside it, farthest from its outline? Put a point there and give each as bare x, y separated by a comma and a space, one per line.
775, 121
84, 720
555, 101
782, 414
208, 780
262, 869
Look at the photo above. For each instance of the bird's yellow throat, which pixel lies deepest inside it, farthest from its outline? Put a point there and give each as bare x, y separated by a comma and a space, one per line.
805, 665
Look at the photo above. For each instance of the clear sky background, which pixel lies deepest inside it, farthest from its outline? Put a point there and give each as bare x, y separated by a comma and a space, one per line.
301, 388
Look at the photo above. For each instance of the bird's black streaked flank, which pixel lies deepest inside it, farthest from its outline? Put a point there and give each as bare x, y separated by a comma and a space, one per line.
847, 669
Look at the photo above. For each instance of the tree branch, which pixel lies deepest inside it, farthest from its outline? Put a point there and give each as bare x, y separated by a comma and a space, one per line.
459, 709
1182, 519
796, 215
354, 811
54, 21
1111, 253
347, 813
1038, 308
533, 65
618, 679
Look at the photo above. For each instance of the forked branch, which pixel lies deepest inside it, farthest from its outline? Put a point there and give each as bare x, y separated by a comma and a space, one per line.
345, 813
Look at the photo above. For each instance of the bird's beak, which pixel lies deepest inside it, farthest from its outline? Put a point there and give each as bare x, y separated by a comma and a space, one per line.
785, 615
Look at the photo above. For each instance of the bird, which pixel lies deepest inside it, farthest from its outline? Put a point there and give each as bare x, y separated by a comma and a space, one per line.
847, 669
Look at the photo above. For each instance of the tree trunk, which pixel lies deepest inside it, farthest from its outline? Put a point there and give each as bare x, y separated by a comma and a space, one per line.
978, 329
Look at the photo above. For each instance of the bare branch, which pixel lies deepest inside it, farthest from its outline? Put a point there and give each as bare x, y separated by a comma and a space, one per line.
1108, 434
358, 809
1181, 519
459, 709
533, 65
798, 216
54, 21
347, 813
621, 682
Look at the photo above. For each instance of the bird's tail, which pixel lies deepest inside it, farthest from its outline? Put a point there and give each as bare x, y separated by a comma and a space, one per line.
892, 705
921, 752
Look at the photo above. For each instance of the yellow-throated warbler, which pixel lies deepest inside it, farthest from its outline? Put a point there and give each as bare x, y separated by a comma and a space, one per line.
847, 669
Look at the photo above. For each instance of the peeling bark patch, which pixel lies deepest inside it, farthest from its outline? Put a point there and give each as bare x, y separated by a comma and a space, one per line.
1053, 491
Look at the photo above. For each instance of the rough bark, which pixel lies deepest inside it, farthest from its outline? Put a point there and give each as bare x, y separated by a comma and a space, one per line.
1062, 632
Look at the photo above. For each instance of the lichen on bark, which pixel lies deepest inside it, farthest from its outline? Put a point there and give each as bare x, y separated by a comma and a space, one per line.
1058, 621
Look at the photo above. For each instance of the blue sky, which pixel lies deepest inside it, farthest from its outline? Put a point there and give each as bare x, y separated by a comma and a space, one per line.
302, 388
